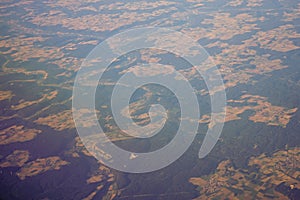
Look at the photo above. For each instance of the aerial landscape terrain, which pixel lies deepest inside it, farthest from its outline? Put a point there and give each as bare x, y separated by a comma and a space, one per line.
255, 45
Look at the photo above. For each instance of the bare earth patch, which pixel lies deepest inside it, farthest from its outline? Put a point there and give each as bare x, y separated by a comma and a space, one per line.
41, 165
227, 180
17, 158
5, 95
264, 111
17, 134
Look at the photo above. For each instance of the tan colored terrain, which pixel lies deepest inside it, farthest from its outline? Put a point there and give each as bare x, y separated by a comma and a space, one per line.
64, 120
17, 158
94, 22
264, 112
277, 39
17, 133
280, 167
41, 165
23, 48
22, 104
102, 176
293, 14
254, 3
235, 3
59, 121
224, 26
5, 95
